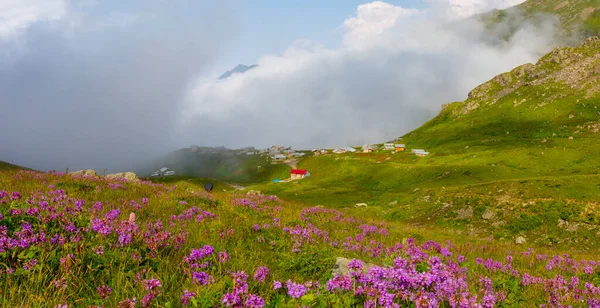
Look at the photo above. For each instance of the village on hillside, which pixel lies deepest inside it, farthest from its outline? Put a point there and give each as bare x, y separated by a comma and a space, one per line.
279, 154
286, 155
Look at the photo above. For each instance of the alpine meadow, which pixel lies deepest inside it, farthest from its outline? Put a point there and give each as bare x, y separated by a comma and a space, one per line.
490, 201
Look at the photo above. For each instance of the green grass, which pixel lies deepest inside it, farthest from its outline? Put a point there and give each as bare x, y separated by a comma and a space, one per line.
232, 230
184, 179
4, 166
576, 18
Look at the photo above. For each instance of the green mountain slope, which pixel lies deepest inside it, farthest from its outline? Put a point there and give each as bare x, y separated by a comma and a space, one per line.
553, 100
572, 13
576, 18
519, 157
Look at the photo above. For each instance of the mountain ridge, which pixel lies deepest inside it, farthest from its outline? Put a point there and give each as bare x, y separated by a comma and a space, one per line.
239, 69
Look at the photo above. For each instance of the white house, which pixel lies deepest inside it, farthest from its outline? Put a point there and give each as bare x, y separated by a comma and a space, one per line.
164, 171
420, 152
388, 146
350, 149
278, 157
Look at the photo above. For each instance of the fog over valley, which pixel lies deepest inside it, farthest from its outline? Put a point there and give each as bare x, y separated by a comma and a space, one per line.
95, 85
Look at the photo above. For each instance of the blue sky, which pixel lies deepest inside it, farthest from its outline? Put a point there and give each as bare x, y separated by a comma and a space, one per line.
271, 26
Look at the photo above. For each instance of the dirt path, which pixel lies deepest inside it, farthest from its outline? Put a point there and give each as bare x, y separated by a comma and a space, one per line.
236, 186
293, 164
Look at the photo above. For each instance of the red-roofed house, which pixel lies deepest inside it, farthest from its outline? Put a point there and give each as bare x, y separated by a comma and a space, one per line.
297, 174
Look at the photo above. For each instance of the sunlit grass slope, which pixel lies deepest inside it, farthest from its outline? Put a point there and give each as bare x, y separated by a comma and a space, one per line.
519, 157
72, 241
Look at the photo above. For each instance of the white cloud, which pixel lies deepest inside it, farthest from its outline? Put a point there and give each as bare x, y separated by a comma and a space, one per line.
18, 15
466, 8
373, 19
394, 71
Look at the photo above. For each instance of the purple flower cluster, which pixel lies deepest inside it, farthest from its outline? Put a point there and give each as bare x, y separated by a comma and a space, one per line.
240, 297
261, 273
187, 297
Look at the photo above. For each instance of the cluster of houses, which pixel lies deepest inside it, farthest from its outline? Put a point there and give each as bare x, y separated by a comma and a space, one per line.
281, 153
344, 150
164, 171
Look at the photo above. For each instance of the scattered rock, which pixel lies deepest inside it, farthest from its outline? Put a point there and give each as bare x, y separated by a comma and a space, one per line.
568, 226
129, 176
488, 215
341, 266
88, 172
498, 224
254, 193
544, 140
571, 116
393, 203
570, 137
361, 205
520, 240
465, 213
591, 40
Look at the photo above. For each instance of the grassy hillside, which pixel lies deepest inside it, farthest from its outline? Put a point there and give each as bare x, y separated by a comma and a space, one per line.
576, 18
7, 166
519, 157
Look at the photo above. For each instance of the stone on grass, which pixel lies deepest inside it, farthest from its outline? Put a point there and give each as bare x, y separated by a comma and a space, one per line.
129, 176
88, 172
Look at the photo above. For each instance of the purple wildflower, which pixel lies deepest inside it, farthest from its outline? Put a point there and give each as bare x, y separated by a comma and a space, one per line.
201, 278
104, 291
254, 301
152, 284
295, 290
223, 257
186, 297
261, 273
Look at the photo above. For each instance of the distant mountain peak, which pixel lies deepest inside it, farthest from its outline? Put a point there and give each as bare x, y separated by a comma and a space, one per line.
240, 68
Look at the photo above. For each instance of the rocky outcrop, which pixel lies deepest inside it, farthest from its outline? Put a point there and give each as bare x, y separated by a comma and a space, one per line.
341, 266
577, 68
488, 215
88, 172
129, 176
465, 213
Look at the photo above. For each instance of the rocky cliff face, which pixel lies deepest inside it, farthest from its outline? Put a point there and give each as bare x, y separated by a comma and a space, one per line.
564, 71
